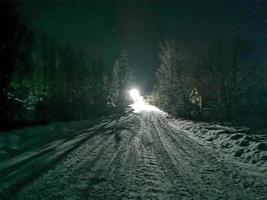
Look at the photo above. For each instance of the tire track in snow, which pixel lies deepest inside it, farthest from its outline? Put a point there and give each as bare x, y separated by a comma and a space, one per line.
203, 166
173, 166
138, 169
153, 183
140, 156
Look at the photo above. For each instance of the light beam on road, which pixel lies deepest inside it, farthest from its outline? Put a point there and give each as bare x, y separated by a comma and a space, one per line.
139, 104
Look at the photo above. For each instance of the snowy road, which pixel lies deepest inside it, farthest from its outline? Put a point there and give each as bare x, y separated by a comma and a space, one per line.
136, 156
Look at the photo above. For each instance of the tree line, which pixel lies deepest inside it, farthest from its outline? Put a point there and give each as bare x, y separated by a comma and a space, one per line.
43, 80
224, 82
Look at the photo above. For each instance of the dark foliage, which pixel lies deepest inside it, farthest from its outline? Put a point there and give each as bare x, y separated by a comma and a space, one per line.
223, 83
43, 80
14, 38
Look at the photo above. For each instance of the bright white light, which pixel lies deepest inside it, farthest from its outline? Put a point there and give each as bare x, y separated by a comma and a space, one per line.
135, 94
139, 104
142, 106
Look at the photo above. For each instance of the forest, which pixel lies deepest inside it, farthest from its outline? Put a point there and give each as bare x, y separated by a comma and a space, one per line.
43, 80
222, 83
133, 99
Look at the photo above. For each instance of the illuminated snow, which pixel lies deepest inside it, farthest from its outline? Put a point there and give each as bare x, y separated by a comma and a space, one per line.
139, 104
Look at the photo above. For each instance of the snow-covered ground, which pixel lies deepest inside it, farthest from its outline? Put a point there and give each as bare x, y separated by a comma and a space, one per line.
141, 155
237, 142
28, 139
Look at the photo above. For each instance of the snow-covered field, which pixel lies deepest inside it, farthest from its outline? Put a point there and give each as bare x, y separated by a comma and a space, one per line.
141, 156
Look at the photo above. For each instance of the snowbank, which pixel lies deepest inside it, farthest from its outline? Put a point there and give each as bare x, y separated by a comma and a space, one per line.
238, 142
28, 139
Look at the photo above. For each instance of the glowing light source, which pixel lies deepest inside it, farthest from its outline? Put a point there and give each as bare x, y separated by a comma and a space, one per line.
139, 104
135, 94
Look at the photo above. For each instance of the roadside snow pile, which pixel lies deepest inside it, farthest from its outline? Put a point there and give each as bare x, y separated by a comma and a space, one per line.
28, 139
235, 141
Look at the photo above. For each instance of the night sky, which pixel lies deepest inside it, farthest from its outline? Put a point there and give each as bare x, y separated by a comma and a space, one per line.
105, 28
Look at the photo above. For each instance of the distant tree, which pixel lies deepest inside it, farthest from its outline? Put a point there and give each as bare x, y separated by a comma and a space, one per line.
111, 86
119, 82
171, 92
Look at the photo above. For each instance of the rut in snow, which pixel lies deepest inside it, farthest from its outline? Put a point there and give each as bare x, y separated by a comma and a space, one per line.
140, 156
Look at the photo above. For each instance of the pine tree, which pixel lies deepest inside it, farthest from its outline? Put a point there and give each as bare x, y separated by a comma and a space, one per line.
170, 91
119, 82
